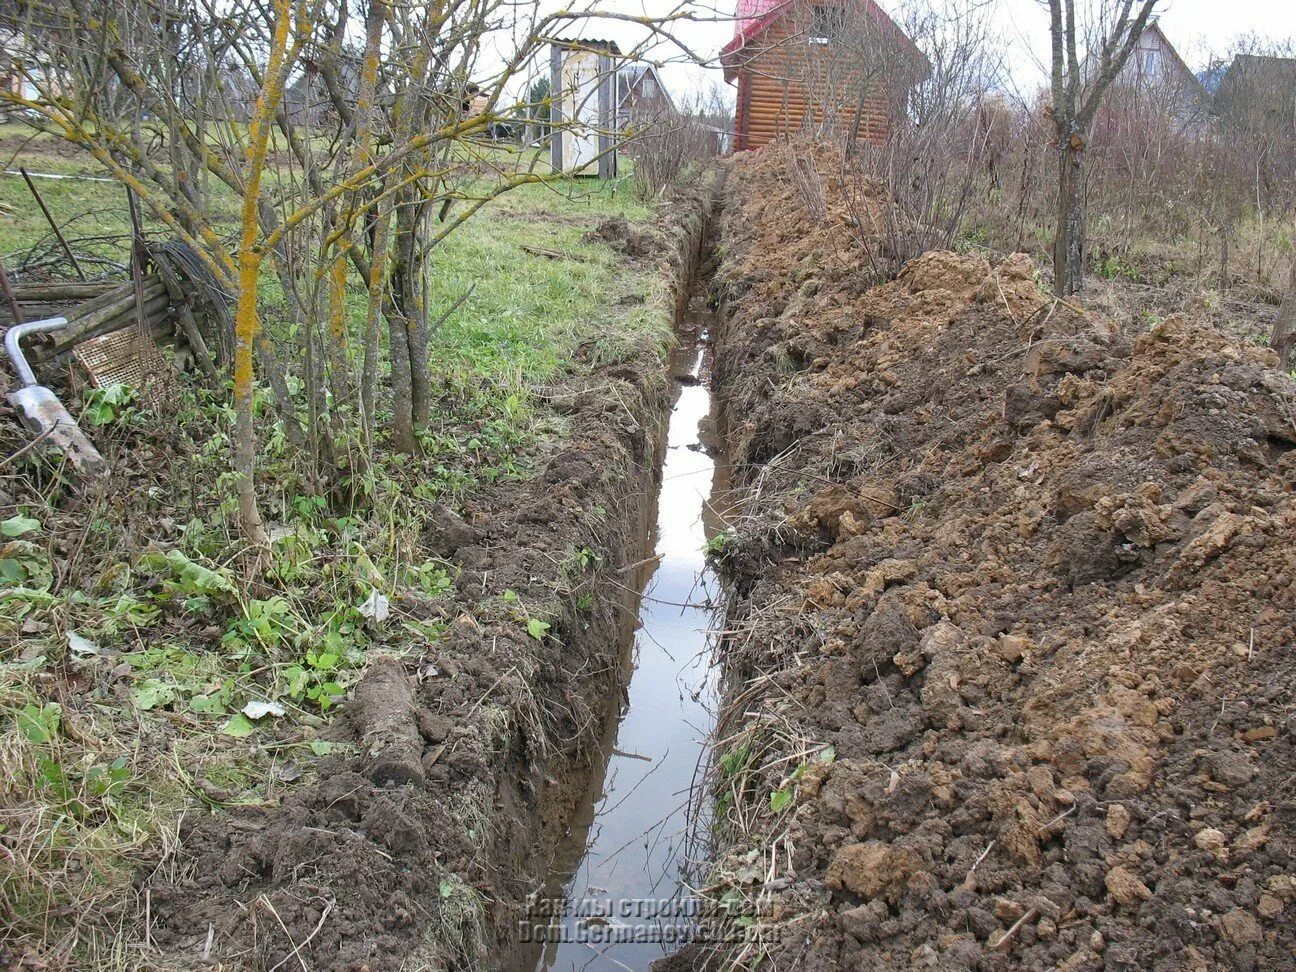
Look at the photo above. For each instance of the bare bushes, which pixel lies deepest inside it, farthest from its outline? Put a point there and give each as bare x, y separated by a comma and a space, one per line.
669, 144
1182, 177
932, 162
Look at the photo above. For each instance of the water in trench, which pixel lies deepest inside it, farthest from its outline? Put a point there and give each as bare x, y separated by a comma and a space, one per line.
618, 895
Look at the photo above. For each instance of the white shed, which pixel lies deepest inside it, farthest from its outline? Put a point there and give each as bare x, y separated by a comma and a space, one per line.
583, 79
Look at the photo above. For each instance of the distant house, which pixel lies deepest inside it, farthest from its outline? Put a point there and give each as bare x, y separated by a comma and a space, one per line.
1154, 90
641, 95
838, 67
24, 72
1157, 68
1258, 96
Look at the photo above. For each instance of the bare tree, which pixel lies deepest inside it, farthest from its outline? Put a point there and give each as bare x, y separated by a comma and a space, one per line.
1078, 88
933, 156
367, 145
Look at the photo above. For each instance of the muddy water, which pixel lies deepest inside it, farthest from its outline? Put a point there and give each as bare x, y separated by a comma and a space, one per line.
616, 895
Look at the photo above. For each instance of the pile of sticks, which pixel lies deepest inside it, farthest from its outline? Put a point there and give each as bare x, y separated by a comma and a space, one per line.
97, 308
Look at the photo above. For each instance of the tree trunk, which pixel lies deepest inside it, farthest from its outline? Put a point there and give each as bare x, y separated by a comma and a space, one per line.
1223, 281
1069, 244
420, 340
1284, 332
397, 312
373, 311
247, 321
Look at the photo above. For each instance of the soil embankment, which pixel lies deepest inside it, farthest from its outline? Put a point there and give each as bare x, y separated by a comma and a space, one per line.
1009, 652
420, 847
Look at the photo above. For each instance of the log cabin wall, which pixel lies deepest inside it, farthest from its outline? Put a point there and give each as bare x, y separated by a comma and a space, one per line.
792, 81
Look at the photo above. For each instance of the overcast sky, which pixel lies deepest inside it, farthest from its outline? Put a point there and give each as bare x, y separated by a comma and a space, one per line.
1196, 27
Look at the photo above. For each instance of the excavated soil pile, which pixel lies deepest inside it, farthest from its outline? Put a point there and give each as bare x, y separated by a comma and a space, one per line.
1032, 579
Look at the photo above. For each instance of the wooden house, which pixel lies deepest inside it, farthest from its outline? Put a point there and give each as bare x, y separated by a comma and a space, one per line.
1156, 72
641, 96
828, 67
1257, 95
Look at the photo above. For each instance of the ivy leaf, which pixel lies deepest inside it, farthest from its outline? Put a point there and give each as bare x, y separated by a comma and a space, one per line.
780, 799
447, 888
537, 629
16, 526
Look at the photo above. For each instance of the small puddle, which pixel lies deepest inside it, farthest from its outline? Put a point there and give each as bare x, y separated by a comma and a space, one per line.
616, 897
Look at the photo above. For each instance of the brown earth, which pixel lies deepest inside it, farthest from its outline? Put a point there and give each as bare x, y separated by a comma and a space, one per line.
419, 849
1031, 577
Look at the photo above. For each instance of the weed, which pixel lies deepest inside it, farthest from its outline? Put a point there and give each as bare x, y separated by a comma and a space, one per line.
716, 546
112, 403
1114, 267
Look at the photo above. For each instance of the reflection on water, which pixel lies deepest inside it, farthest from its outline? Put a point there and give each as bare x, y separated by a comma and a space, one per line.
618, 874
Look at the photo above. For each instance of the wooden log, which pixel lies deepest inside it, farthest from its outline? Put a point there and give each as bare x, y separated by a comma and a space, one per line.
103, 321
198, 346
61, 291
383, 712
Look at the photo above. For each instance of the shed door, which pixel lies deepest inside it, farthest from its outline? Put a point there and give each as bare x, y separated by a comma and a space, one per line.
582, 82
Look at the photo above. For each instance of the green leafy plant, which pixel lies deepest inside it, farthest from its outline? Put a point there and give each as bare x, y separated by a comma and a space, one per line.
110, 404
315, 678
265, 623
40, 724
23, 563
717, 545
108, 780
196, 583
153, 693
308, 508
780, 799
128, 611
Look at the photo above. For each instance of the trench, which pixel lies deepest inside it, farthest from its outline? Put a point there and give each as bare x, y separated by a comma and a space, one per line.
617, 896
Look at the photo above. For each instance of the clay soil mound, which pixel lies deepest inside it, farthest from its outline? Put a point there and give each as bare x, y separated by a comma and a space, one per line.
1031, 579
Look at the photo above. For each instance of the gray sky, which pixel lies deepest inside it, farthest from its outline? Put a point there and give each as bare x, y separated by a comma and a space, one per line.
1196, 27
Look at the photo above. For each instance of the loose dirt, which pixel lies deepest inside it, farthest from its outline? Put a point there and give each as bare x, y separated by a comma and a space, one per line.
1030, 578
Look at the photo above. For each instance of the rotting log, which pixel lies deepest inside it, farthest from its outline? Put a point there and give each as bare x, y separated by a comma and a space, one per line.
61, 291
384, 717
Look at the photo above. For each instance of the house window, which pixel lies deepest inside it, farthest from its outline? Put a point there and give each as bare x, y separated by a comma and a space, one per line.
827, 25
1148, 62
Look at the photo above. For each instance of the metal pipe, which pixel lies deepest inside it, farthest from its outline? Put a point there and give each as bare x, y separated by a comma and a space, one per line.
40, 410
13, 346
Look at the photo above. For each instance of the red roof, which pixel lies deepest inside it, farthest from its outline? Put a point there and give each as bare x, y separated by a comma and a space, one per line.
754, 16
